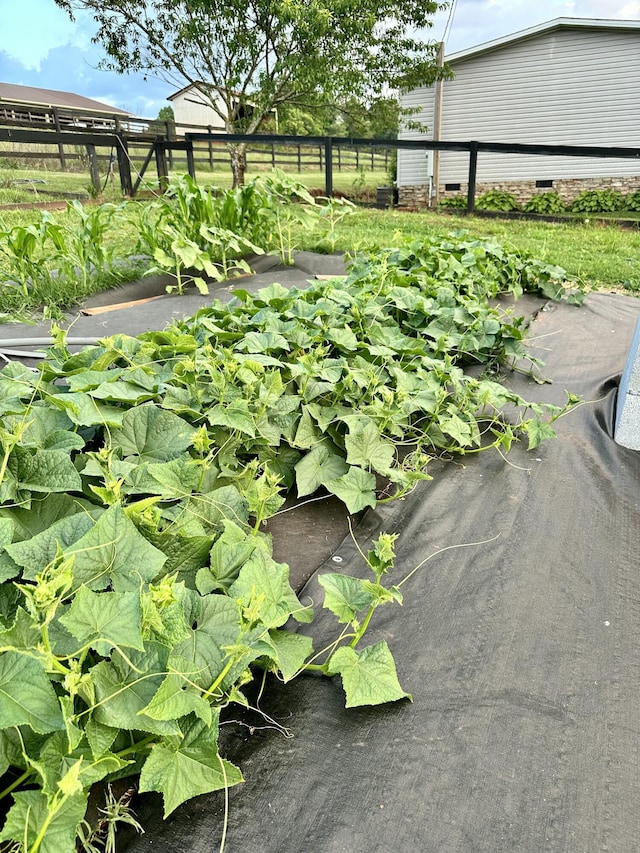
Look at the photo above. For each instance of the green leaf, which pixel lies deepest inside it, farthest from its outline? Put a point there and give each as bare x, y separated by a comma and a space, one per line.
31, 812
36, 553
356, 489
264, 583
538, 431
114, 552
23, 633
368, 676
212, 508
292, 651
344, 596
176, 698
152, 434
367, 449
123, 692
317, 468
105, 619
184, 769
229, 553
27, 696
44, 470
83, 410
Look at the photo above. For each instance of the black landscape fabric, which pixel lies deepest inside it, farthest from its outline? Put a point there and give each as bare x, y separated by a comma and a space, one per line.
518, 640
520, 651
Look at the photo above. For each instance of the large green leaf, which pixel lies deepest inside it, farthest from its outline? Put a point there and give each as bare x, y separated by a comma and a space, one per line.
182, 769
152, 434
44, 470
229, 553
36, 553
367, 449
30, 814
122, 691
356, 489
114, 552
263, 585
27, 696
105, 619
344, 596
369, 676
177, 698
292, 651
318, 467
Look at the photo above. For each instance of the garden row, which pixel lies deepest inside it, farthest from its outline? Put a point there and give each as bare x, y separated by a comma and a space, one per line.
550, 203
139, 596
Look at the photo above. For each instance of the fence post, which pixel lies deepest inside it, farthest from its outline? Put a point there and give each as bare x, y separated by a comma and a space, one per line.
299, 158
161, 148
209, 131
320, 154
473, 170
124, 164
357, 158
170, 136
191, 163
94, 171
328, 169
273, 155
372, 160
339, 147
56, 121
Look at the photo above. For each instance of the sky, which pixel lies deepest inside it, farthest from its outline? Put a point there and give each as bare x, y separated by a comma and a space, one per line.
40, 46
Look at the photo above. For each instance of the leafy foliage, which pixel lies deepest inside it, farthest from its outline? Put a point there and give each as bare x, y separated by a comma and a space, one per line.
497, 200
548, 203
632, 201
139, 593
598, 201
454, 202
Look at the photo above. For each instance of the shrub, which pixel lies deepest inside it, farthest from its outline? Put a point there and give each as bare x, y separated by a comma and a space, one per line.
497, 200
545, 203
454, 202
598, 201
632, 201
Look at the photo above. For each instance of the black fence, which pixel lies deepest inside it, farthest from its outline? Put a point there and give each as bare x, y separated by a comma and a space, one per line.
159, 145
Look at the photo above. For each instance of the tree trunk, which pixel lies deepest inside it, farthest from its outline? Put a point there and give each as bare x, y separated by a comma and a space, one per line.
238, 154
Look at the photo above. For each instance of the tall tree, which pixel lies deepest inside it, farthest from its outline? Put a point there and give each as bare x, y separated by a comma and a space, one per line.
246, 57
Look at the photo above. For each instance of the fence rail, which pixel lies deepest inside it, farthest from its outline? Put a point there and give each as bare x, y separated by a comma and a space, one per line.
328, 152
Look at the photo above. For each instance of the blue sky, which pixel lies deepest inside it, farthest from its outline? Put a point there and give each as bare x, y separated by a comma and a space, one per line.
40, 46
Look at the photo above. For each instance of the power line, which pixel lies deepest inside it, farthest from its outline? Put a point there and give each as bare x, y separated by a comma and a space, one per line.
449, 24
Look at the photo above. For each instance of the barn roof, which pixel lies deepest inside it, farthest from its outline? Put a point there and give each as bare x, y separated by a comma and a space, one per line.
13, 93
547, 26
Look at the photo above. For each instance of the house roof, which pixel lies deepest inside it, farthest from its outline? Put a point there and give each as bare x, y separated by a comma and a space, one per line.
51, 98
547, 26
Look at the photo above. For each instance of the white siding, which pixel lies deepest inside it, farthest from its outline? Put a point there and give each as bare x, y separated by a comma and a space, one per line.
574, 86
188, 111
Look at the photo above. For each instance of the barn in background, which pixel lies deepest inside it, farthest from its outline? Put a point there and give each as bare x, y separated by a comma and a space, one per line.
570, 81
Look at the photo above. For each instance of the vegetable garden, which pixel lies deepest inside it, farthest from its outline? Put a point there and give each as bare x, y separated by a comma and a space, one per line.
139, 594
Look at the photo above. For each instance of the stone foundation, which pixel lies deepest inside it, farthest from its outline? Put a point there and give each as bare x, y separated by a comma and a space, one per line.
568, 189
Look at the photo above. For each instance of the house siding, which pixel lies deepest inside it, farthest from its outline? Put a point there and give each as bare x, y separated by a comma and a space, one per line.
190, 116
565, 86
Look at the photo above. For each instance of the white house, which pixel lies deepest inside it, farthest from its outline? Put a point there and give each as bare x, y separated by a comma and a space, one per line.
570, 81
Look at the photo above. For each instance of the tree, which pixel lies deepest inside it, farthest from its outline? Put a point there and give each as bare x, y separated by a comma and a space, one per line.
247, 57
166, 114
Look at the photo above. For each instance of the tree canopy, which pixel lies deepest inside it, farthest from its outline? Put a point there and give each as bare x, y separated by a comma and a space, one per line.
261, 54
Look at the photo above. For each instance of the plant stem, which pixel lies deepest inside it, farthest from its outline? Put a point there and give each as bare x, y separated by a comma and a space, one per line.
16, 783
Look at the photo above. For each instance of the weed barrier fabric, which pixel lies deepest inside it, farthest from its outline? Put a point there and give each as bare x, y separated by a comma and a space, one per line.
520, 652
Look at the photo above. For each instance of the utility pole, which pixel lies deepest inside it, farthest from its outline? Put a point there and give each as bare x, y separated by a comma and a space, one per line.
437, 129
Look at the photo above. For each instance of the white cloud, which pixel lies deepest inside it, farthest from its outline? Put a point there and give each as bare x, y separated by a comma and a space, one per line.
32, 28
